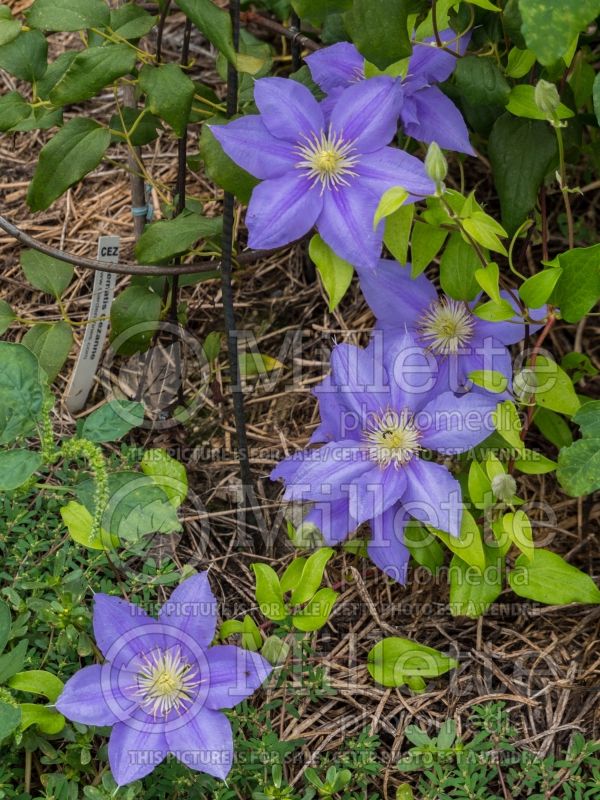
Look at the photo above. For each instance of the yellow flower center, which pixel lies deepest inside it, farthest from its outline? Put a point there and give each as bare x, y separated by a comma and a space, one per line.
327, 159
446, 326
392, 438
166, 682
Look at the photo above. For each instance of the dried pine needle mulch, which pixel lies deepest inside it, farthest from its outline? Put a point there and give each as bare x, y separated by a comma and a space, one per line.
543, 661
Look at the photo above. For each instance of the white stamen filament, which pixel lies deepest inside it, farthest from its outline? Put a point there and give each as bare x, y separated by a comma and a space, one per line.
166, 682
392, 438
327, 159
446, 326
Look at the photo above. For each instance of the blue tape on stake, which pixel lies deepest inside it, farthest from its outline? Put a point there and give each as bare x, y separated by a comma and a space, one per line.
140, 211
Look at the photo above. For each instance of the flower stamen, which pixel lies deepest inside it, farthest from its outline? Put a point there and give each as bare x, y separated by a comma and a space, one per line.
392, 438
327, 159
446, 326
166, 682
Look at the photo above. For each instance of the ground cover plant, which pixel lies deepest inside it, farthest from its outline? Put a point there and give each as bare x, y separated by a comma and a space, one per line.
317, 519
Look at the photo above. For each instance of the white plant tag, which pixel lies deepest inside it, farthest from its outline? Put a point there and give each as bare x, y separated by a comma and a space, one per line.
95, 332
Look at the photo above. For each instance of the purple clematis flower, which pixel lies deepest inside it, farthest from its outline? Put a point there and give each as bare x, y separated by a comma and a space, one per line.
461, 342
378, 419
331, 174
162, 686
426, 114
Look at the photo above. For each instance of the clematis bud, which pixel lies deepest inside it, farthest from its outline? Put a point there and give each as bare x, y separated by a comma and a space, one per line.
436, 165
525, 385
504, 487
546, 98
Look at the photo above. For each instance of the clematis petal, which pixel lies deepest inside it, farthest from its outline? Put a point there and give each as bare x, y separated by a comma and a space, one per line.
485, 355
386, 548
288, 109
122, 630
437, 120
367, 113
192, 608
373, 492
326, 472
336, 66
451, 424
389, 167
434, 64
233, 675
247, 141
204, 743
433, 496
346, 224
135, 750
88, 697
393, 296
332, 519
412, 370
282, 210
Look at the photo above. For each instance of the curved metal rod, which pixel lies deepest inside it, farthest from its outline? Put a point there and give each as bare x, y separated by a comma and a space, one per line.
121, 269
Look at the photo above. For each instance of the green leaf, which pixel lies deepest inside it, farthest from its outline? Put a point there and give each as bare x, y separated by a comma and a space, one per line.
54, 73
37, 681
554, 389
269, 595
292, 574
212, 346
536, 291
495, 312
9, 27
550, 579
533, 463
390, 202
469, 545
391, 661
253, 364
251, 635
131, 22
73, 152
13, 109
46, 273
480, 487
10, 719
522, 152
137, 506
522, 103
169, 94
490, 380
275, 650
40, 119
489, 280
13, 661
335, 273
79, 523
213, 22
316, 11
220, 168
47, 719
483, 90
312, 575
519, 62
16, 467
381, 44
426, 243
508, 424
396, 236
168, 473
549, 26
578, 287
471, 591
51, 343
168, 238
68, 15
588, 419
92, 70
579, 467
5, 624
21, 391
134, 316
111, 421
316, 613
145, 126
517, 527
26, 56
485, 231
596, 96
423, 546
7, 316
458, 266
